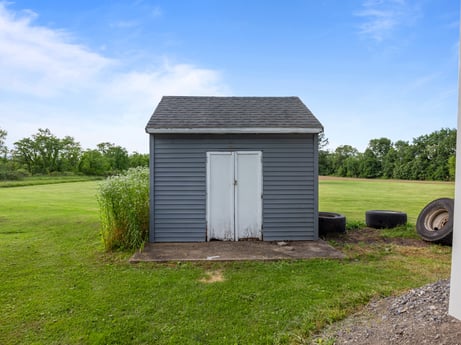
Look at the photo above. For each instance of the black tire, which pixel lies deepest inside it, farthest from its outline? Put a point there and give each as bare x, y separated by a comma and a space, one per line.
330, 222
435, 222
383, 219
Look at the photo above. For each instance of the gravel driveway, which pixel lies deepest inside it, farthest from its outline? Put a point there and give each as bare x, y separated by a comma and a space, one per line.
418, 317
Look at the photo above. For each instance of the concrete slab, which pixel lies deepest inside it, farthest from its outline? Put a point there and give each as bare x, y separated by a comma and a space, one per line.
235, 251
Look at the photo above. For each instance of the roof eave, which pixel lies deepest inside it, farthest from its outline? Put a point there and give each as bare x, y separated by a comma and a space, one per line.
261, 130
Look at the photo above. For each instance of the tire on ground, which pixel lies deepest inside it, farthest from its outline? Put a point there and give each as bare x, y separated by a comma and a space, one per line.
384, 219
330, 222
435, 222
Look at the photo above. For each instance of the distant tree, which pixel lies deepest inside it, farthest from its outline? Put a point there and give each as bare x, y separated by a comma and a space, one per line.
3, 147
402, 160
325, 157
116, 156
427, 157
452, 167
370, 166
388, 164
70, 154
323, 141
374, 157
138, 160
431, 155
44, 153
344, 158
93, 162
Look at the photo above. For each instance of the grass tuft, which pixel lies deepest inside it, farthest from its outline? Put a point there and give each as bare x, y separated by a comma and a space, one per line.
403, 231
124, 209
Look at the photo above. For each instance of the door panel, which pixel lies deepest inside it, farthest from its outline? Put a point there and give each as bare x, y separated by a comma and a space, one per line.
234, 184
220, 199
248, 195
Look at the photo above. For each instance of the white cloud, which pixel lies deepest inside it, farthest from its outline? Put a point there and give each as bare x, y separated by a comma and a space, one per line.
39, 61
382, 17
49, 81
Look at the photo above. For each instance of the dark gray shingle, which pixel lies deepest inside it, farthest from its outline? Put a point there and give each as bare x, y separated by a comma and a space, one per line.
178, 113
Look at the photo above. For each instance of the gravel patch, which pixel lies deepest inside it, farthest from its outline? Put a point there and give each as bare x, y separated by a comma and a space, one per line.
418, 317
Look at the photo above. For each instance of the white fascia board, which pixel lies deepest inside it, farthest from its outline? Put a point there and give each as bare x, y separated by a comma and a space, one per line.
232, 130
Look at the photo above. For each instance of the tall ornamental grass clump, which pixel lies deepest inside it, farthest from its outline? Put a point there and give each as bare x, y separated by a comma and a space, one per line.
124, 209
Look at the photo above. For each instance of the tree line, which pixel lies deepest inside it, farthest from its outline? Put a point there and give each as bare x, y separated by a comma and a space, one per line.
427, 157
44, 153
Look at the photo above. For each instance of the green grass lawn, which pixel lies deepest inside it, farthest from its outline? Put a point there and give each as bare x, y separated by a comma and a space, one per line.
39, 180
58, 286
352, 197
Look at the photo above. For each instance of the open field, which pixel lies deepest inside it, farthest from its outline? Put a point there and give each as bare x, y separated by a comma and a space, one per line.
40, 180
59, 287
352, 197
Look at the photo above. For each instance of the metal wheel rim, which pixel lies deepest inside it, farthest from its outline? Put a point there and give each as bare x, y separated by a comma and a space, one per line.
436, 220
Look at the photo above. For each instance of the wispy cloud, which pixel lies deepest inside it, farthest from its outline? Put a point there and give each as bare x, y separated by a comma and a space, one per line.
156, 11
124, 24
49, 80
40, 61
381, 18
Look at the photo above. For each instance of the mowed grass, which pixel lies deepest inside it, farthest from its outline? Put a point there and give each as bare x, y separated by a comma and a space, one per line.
58, 286
40, 180
353, 197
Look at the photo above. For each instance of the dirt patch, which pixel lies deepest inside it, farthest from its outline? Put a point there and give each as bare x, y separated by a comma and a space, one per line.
373, 236
212, 277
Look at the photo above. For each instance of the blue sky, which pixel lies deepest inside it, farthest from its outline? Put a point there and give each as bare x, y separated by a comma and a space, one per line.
95, 70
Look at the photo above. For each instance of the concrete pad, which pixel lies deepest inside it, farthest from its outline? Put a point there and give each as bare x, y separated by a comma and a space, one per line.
235, 251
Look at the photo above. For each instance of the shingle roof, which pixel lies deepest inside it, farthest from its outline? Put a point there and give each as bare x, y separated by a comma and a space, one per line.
185, 114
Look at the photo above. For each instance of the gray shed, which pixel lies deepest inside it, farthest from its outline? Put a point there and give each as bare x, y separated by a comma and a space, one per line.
232, 168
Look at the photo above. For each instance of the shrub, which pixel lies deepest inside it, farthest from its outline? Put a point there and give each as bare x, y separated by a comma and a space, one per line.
124, 209
8, 174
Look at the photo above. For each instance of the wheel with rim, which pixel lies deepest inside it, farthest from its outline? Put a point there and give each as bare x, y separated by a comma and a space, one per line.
384, 219
330, 222
435, 222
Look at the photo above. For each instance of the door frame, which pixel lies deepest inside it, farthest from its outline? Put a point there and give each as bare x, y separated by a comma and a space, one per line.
235, 205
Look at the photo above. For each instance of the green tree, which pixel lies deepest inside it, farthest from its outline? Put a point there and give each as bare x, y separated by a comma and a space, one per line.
138, 160
403, 158
117, 156
70, 154
44, 153
431, 155
93, 162
452, 167
341, 154
374, 158
3, 147
325, 157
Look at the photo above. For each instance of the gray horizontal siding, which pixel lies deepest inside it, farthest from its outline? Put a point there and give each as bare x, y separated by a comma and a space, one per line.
179, 184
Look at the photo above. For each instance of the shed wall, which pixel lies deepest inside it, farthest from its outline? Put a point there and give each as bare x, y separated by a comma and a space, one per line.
290, 201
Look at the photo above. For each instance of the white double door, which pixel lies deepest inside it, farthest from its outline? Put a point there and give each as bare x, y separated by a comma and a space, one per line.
234, 181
